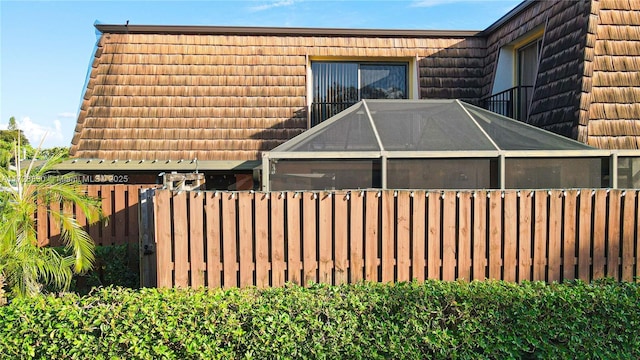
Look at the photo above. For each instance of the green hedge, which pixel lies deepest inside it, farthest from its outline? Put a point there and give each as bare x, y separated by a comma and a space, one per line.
448, 320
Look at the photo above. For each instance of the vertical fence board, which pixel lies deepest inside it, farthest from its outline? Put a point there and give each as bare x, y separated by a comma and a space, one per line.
371, 237
449, 236
294, 239
555, 235
107, 212
628, 260
163, 220
569, 236
196, 238
181, 240
309, 238
613, 236
94, 229
388, 236
433, 237
325, 234
383, 236
245, 237
540, 236
278, 261
229, 238
403, 236
524, 236
212, 215
584, 236
356, 237
510, 208
495, 235
147, 246
419, 243
262, 240
341, 238
464, 236
599, 234
42, 223
119, 208
133, 207
480, 235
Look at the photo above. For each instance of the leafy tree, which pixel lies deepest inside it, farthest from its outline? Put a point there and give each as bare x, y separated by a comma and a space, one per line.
25, 265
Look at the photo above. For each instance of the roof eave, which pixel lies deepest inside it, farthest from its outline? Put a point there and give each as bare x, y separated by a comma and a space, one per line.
279, 31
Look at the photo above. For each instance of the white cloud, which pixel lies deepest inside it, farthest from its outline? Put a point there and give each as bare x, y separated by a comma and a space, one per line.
273, 4
35, 132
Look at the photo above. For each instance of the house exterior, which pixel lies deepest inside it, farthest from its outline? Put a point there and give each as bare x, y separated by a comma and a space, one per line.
212, 100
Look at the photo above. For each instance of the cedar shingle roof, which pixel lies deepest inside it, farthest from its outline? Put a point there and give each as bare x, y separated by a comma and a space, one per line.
215, 94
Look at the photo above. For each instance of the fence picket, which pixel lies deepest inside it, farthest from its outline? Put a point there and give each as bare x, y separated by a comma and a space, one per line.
372, 220
599, 234
510, 209
262, 239
229, 238
433, 238
584, 236
569, 236
555, 235
449, 235
613, 235
540, 236
403, 233
325, 233
627, 236
356, 237
419, 243
196, 239
309, 238
214, 261
278, 262
162, 212
181, 240
464, 236
480, 235
294, 240
495, 236
525, 260
341, 238
245, 237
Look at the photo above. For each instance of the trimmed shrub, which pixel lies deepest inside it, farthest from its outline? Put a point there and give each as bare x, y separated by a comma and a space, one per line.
435, 320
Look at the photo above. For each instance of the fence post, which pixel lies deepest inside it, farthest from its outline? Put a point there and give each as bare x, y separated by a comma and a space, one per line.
147, 239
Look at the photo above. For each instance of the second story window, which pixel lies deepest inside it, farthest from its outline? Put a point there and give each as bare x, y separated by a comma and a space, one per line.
338, 85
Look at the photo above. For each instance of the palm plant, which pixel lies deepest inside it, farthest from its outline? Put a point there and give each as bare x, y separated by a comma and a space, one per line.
26, 266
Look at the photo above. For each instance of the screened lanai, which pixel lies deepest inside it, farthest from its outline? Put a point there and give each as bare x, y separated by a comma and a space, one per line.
439, 144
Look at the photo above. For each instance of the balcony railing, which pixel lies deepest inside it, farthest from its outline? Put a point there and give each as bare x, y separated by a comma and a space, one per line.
321, 111
513, 103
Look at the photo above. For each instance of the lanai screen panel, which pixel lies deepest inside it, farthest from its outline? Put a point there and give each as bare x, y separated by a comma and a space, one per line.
419, 126
452, 173
350, 130
509, 134
325, 174
629, 172
556, 173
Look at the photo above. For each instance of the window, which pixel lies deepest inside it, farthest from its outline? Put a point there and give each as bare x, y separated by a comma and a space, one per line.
515, 76
338, 85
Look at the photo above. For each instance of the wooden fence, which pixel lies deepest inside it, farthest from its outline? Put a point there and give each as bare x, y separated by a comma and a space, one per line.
120, 211
232, 239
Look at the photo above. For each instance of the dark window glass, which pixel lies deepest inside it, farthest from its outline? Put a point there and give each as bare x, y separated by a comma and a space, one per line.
338, 85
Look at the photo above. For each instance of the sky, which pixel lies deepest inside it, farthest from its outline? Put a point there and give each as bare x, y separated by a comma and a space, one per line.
46, 47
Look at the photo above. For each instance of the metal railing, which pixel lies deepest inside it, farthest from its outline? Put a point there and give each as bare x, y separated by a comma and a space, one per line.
513, 103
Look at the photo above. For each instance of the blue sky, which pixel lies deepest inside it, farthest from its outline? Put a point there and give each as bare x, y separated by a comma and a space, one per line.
46, 46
